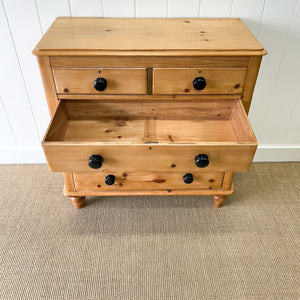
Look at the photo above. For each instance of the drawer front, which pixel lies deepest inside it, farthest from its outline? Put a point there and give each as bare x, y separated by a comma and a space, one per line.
198, 80
113, 80
130, 181
154, 158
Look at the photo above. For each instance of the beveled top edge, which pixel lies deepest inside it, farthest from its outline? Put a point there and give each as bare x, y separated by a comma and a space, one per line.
160, 37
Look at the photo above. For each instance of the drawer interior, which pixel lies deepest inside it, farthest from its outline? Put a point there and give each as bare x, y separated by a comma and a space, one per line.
162, 122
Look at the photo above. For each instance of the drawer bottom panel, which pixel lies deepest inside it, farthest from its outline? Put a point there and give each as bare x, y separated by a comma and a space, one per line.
132, 181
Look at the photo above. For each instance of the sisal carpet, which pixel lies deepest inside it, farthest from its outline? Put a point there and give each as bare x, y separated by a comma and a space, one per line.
150, 247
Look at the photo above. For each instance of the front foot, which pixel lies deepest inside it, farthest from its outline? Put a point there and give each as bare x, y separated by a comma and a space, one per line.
219, 200
78, 201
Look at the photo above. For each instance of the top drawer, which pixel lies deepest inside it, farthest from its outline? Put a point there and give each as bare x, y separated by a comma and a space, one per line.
198, 80
100, 80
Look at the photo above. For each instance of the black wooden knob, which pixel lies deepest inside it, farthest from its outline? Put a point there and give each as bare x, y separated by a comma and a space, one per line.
199, 83
110, 179
95, 161
201, 160
100, 84
188, 178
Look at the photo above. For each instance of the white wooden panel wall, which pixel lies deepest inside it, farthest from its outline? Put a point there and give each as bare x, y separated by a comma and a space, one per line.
275, 112
117, 8
91, 8
215, 8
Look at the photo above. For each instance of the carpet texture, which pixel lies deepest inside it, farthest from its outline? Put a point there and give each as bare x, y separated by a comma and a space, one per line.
150, 247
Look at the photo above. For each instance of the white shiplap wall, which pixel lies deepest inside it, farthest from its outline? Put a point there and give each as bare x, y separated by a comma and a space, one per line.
275, 111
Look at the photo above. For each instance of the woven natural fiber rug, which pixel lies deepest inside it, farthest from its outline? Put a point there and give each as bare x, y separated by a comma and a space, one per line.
150, 247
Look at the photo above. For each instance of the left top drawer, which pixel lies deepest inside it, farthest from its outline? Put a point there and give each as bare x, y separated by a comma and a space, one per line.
100, 80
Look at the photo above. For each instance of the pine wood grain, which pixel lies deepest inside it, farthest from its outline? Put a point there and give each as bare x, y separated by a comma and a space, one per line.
161, 36
106, 131
59, 124
219, 200
126, 181
150, 122
149, 61
148, 192
159, 109
69, 181
180, 81
173, 98
253, 68
69, 157
120, 139
78, 202
48, 82
119, 80
241, 124
227, 181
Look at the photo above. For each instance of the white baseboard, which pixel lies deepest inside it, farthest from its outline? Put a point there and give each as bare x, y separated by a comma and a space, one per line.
277, 153
263, 153
22, 156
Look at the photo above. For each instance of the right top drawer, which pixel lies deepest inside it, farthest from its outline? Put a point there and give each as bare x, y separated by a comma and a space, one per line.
198, 80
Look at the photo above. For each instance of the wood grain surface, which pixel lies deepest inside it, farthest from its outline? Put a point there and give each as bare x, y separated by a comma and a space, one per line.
119, 80
126, 181
158, 36
180, 81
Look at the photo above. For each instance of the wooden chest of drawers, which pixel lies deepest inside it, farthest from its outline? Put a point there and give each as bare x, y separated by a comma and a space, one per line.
148, 106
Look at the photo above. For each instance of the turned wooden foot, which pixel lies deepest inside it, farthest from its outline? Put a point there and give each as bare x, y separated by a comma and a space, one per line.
78, 201
218, 200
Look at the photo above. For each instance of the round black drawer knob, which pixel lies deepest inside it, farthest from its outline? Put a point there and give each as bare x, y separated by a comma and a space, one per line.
199, 83
95, 161
201, 160
100, 84
188, 178
110, 179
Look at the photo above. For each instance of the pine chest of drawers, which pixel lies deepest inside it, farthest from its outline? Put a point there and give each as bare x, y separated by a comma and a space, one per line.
148, 106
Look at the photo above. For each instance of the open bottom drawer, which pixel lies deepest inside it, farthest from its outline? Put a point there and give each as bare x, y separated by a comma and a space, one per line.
145, 136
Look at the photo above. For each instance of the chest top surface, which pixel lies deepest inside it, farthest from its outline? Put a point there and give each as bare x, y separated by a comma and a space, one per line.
128, 36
